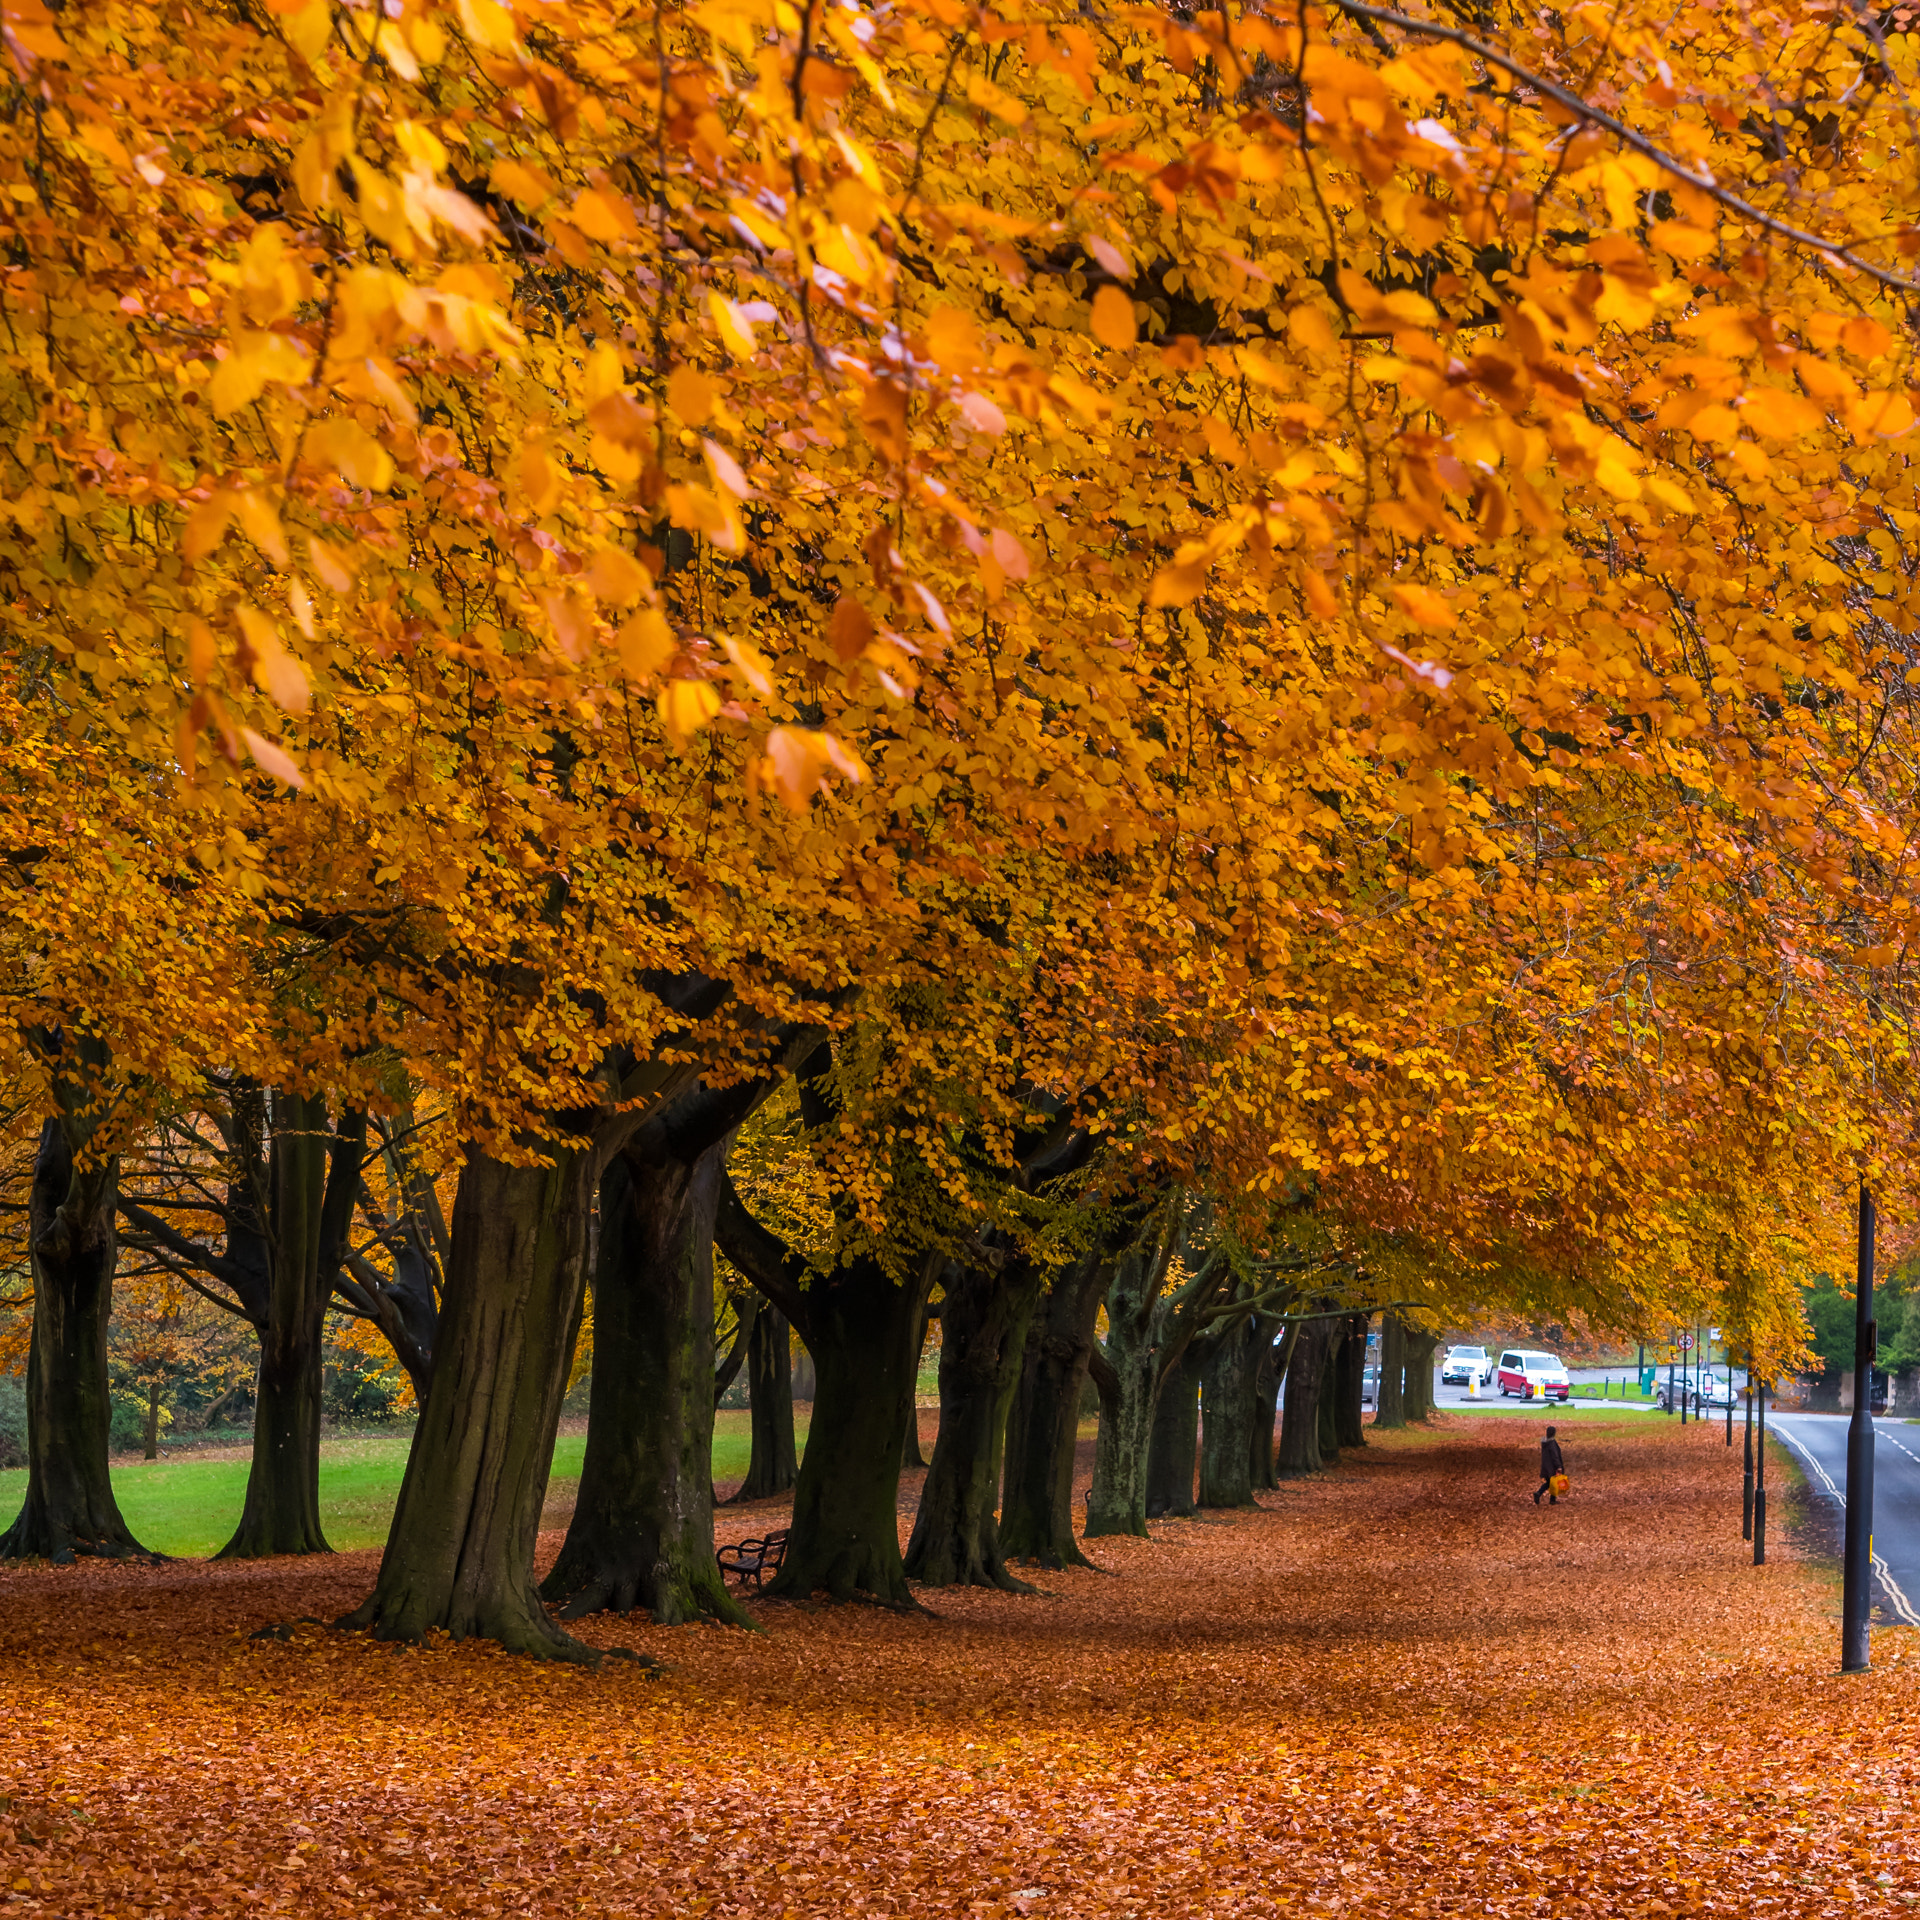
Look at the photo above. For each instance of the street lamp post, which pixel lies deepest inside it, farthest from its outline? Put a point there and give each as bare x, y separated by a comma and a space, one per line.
1856, 1592
1760, 1486
1746, 1477
1726, 1360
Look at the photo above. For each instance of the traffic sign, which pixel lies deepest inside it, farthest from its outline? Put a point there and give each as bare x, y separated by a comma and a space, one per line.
1686, 1343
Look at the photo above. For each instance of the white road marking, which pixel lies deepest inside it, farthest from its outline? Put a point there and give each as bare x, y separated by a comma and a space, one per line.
1901, 1604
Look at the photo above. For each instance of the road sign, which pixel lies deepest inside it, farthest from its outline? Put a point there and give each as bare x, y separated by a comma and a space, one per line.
1686, 1343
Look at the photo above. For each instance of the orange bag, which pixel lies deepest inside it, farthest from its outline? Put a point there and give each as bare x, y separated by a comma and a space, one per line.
1559, 1485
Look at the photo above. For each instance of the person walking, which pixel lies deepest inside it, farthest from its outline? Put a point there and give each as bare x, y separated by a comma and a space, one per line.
1552, 1461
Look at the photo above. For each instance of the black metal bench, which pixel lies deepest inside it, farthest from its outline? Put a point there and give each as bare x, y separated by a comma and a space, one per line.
752, 1559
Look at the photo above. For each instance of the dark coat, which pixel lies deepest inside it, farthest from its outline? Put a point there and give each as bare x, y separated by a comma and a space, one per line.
1550, 1459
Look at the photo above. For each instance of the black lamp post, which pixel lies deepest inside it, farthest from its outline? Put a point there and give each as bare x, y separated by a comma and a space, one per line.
1857, 1568
1746, 1478
1760, 1486
1726, 1360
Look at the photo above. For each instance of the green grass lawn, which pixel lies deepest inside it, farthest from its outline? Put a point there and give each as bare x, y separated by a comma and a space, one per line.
187, 1507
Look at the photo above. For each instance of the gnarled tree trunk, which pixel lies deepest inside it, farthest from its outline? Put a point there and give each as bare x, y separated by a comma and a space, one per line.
1229, 1392
72, 1244
642, 1527
1173, 1441
1336, 1341
861, 1327
460, 1556
1300, 1413
983, 1337
309, 1208
1043, 1422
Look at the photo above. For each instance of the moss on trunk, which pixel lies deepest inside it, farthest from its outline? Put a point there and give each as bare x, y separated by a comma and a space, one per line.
1229, 1385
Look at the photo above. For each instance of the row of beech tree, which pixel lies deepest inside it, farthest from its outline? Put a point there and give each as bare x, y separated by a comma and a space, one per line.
283, 1206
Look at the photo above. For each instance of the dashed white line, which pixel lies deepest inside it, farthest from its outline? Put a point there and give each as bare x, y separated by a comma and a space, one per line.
1901, 1604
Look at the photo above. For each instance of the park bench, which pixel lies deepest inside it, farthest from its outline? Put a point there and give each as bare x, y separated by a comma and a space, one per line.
752, 1559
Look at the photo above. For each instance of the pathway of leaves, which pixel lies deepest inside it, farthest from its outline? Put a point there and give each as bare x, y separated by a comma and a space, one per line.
1399, 1690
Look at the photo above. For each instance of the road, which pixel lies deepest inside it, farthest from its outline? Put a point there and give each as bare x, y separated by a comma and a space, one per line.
1580, 1376
1819, 1440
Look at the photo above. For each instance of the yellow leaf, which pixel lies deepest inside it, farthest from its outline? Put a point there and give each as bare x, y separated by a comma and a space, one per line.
749, 662
725, 470
617, 577
308, 29
487, 24
275, 671
352, 452
981, 92
200, 651
272, 759
1424, 606
646, 644
952, 340
1113, 323
334, 566
1310, 329
543, 478
736, 334
685, 707
690, 395
206, 526
603, 216
526, 186
1682, 241
262, 522
1778, 414
798, 761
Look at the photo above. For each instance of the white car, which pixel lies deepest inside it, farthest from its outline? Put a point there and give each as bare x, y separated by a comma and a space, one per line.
1465, 1367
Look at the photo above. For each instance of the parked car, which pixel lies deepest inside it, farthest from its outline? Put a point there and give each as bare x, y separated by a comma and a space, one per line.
1370, 1387
1465, 1366
1533, 1376
1705, 1389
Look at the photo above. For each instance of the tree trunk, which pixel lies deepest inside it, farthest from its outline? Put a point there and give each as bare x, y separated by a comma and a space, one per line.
1173, 1442
304, 1213
1128, 1374
460, 1555
774, 1463
1350, 1418
1043, 1423
1266, 1408
72, 1243
1419, 1389
150, 1436
983, 1337
1300, 1415
1229, 1389
1390, 1408
1329, 1429
642, 1528
845, 1535
910, 1454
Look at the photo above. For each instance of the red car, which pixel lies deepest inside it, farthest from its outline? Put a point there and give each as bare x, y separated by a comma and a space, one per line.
1533, 1376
